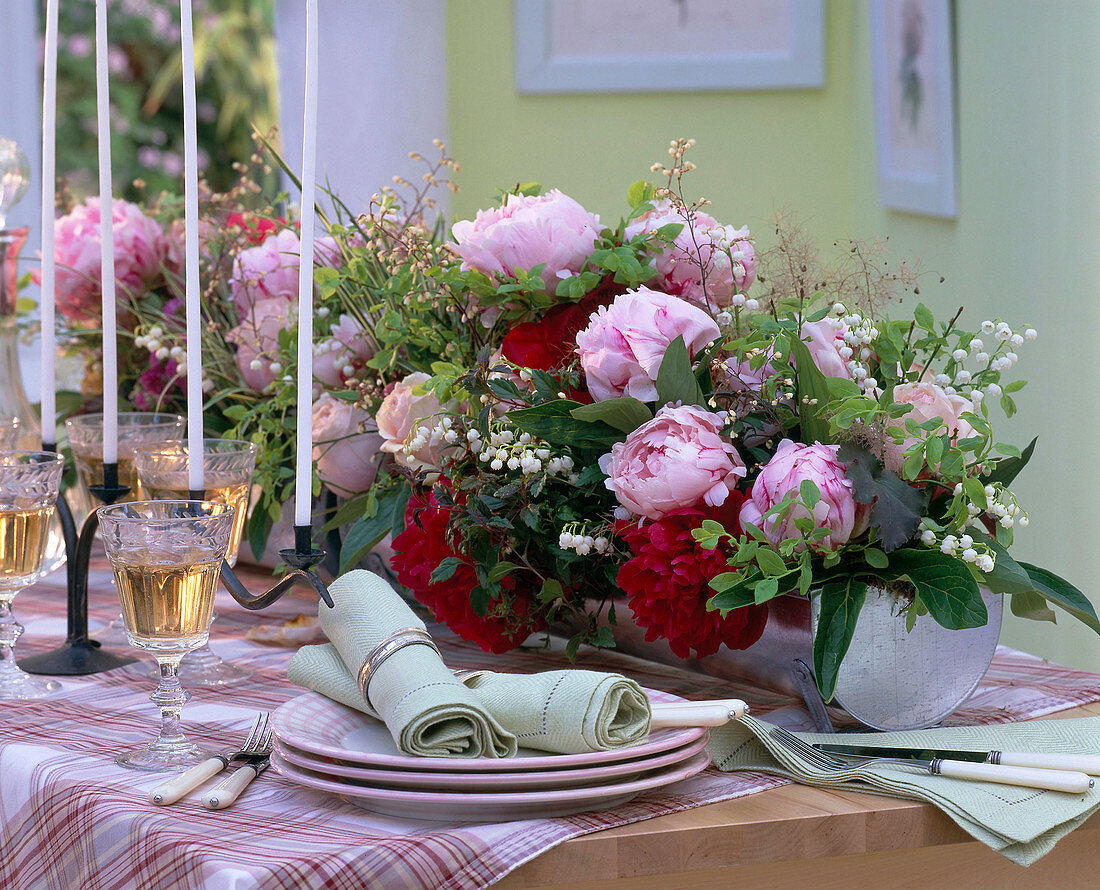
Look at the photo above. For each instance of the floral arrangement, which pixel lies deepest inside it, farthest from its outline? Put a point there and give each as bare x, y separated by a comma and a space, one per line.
611, 416
552, 418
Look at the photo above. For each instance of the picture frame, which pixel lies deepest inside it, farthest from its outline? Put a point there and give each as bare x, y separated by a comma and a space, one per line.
581, 46
913, 86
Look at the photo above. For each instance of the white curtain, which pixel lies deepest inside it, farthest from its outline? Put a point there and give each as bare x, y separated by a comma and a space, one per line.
382, 92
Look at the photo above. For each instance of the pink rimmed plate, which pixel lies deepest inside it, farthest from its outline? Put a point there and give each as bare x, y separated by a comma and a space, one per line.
621, 771
491, 807
317, 725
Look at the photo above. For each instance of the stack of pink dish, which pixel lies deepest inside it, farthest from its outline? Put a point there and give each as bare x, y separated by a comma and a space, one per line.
328, 747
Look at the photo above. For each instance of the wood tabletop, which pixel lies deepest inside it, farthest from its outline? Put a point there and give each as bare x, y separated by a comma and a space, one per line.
798, 836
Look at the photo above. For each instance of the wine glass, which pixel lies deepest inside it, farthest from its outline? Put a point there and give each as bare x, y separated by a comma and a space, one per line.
29, 482
166, 556
135, 428
227, 469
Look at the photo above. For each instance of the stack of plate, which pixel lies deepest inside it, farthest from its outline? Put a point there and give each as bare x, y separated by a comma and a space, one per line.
328, 747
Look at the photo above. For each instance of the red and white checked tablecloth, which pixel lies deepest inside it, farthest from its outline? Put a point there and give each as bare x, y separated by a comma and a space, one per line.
72, 819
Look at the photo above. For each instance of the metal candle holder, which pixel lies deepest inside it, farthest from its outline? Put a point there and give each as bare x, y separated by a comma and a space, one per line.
80, 654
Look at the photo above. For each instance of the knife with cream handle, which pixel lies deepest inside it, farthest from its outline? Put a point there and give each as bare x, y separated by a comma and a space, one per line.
1089, 764
696, 713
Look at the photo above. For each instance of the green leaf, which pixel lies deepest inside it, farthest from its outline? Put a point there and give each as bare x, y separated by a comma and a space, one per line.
500, 570
876, 558
675, 382
636, 194
812, 384
1063, 594
1005, 471
770, 562
553, 422
923, 316
1007, 575
945, 585
551, 590
809, 493
624, 414
836, 623
445, 570
1031, 605
896, 507
765, 590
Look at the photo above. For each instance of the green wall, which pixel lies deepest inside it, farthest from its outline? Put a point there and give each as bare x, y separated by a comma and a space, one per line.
1024, 245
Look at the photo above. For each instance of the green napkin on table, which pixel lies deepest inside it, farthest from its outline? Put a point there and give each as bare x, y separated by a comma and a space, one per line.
565, 711
1021, 823
427, 711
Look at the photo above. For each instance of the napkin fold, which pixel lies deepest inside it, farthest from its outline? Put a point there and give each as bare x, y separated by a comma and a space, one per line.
1023, 824
428, 712
565, 711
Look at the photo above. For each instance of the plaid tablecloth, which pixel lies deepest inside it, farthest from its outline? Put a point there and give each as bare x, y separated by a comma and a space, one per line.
71, 818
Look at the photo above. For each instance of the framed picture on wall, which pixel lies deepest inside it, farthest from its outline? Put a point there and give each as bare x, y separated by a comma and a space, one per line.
598, 46
913, 80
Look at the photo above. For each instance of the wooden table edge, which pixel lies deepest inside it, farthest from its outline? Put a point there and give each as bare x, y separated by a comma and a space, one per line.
791, 823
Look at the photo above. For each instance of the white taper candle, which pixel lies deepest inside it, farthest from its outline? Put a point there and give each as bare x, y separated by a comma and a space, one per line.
195, 478
107, 240
49, 166
303, 489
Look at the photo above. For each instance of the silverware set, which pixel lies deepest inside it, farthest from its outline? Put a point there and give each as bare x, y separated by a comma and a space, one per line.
1029, 777
254, 756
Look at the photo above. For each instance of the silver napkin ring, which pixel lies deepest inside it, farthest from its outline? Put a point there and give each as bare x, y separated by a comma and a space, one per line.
409, 636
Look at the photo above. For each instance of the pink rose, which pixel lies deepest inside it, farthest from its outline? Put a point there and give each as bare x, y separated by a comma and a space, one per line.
345, 445
414, 444
550, 229
837, 509
142, 251
927, 401
624, 344
270, 270
257, 339
825, 339
349, 347
678, 459
724, 252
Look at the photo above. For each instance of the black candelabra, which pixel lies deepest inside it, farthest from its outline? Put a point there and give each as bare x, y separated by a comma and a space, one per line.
80, 654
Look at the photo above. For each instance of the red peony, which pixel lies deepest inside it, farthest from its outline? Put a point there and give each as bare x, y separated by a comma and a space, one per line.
668, 580
548, 343
256, 228
421, 547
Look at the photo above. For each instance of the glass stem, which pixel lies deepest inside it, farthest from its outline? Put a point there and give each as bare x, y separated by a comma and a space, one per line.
10, 631
170, 697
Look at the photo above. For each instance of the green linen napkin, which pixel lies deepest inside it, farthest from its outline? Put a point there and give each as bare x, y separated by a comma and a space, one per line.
564, 712
1021, 823
427, 711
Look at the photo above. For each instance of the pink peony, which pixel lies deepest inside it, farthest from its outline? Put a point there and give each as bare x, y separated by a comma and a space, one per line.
927, 401
624, 344
270, 270
825, 339
346, 445
550, 229
837, 509
725, 252
413, 444
257, 339
349, 346
142, 251
676, 460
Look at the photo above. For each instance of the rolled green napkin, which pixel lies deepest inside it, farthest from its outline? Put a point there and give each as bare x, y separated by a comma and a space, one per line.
1021, 823
428, 712
566, 712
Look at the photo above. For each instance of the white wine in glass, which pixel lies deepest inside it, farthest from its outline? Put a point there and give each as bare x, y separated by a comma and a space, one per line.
166, 557
29, 482
221, 491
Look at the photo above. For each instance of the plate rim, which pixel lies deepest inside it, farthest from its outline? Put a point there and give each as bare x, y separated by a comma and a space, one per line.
675, 738
684, 770
484, 779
